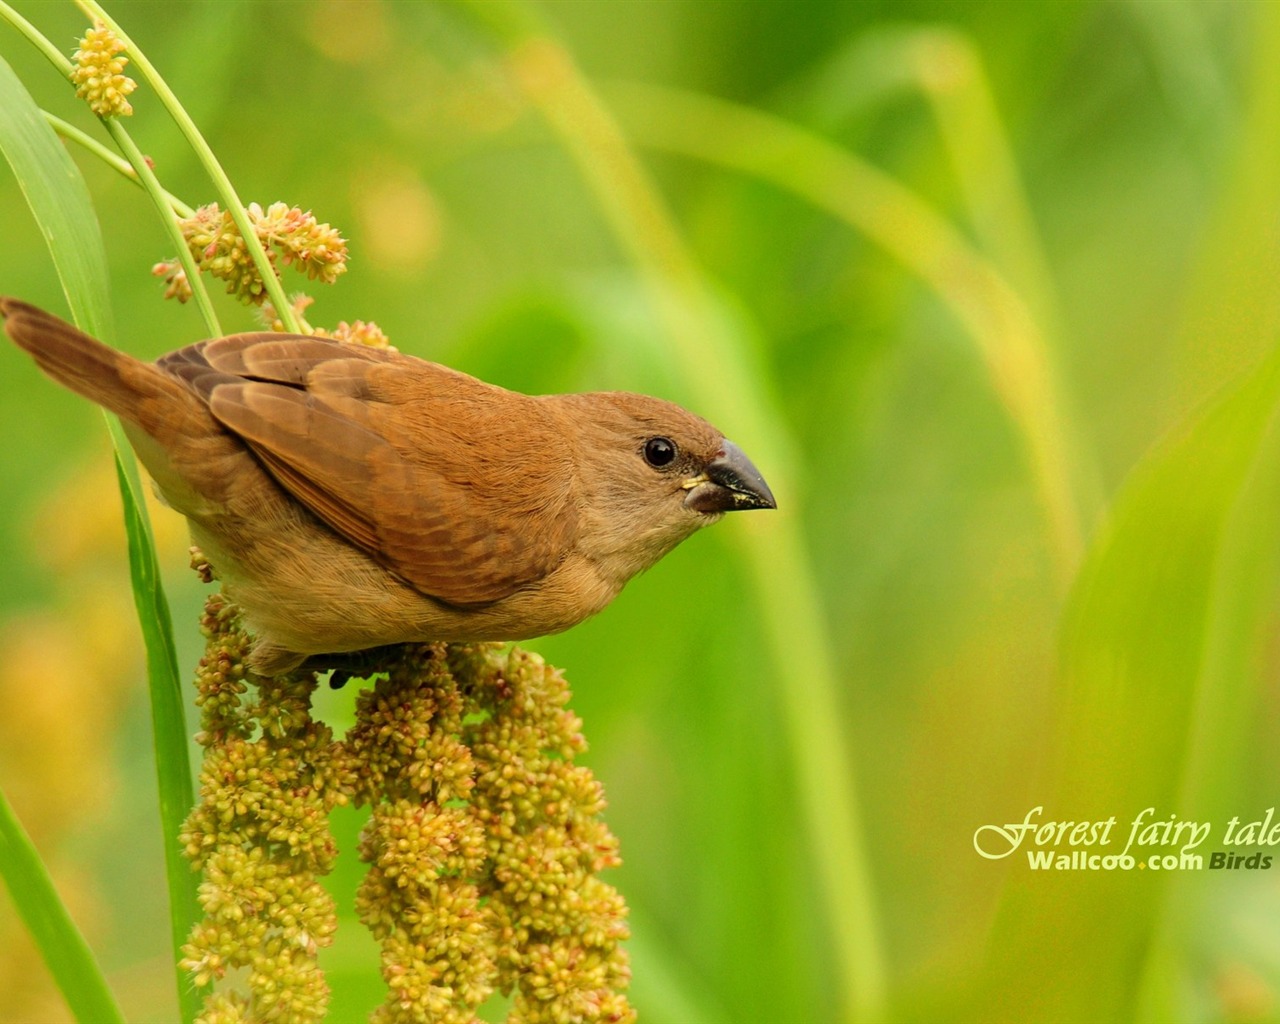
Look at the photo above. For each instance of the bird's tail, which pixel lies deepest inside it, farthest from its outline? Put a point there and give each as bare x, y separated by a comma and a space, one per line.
134, 390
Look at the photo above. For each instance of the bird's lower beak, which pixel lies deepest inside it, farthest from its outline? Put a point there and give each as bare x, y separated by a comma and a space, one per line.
729, 484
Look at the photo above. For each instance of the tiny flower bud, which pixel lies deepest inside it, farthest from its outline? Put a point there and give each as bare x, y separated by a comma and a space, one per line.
175, 279
362, 332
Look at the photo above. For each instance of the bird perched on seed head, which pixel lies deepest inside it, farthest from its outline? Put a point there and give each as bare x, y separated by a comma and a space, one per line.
352, 497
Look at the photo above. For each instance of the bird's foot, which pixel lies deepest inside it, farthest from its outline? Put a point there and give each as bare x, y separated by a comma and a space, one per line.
348, 665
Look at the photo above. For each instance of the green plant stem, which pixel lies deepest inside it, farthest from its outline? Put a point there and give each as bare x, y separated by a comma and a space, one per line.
222, 183
136, 168
55, 934
714, 363
36, 38
73, 134
160, 199
948, 70
1008, 339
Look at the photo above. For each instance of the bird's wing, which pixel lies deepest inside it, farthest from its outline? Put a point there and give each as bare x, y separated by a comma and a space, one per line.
458, 487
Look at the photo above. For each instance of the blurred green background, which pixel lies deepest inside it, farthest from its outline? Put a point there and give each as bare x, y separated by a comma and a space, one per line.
988, 291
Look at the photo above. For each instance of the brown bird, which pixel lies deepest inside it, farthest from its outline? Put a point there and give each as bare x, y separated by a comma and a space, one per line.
351, 498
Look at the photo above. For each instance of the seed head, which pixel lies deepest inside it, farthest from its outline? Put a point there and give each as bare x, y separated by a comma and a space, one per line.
98, 73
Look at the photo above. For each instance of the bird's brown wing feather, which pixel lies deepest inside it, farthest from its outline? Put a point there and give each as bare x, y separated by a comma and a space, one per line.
421, 467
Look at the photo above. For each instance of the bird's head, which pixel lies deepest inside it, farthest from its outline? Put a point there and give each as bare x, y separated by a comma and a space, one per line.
651, 474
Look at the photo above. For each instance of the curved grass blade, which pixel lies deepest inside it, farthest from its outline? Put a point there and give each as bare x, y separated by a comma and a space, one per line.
65, 951
1007, 336
60, 202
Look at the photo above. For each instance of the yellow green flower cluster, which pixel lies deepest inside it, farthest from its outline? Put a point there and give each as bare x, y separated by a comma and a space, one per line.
426, 851
560, 927
260, 835
98, 73
288, 235
318, 250
484, 843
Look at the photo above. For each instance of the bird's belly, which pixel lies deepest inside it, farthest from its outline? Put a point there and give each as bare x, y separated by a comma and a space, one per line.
316, 594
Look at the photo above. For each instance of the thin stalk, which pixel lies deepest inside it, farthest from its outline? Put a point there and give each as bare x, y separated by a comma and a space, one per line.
37, 39
160, 199
138, 171
204, 153
716, 365
86, 141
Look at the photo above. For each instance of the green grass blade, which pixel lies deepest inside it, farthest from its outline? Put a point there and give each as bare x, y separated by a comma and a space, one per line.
64, 949
1138, 636
168, 715
60, 202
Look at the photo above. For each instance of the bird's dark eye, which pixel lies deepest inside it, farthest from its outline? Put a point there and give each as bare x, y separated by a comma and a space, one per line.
659, 451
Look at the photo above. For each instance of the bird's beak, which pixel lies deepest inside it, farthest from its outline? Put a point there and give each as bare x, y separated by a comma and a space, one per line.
730, 483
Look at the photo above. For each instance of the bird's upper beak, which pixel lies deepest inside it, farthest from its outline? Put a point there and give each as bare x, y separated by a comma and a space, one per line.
730, 483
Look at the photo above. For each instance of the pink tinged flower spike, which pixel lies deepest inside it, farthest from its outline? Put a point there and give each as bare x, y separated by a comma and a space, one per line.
287, 234
318, 250
360, 332
218, 249
176, 285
